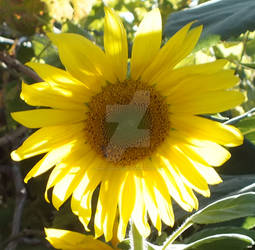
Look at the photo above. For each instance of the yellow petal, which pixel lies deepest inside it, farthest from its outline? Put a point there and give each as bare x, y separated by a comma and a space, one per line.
206, 152
186, 169
60, 78
139, 217
49, 160
45, 139
67, 240
209, 174
189, 43
63, 168
205, 129
159, 193
109, 195
182, 194
44, 94
82, 195
65, 187
38, 118
207, 103
126, 204
107, 203
150, 201
172, 77
85, 209
115, 43
199, 84
89, 181
56, 175
83, 59
159, 188
171, 53
146, 43
165, 207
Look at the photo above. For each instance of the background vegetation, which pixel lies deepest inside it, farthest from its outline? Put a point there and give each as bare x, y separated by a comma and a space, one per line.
228, 33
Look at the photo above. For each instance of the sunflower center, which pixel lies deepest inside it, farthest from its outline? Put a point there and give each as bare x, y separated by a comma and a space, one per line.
126, 122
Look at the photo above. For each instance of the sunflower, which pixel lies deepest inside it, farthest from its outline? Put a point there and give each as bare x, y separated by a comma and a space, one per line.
136, 133
68, 240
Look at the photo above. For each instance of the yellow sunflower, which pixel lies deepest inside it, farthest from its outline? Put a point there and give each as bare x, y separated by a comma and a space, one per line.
68, 240
137, 135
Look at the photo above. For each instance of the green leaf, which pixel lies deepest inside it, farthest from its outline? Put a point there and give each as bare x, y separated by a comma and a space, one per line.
221, 241
12, 101
247, 127
249, 65
24, 54
226, 18
207, 42
250, 48
70, 27
125, 244
231, 185
226, 209
176, 247
219, 230
43, 49
249, 223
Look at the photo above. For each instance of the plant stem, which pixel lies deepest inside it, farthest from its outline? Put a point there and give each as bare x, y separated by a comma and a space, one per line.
137, 240
176, 233
240, 117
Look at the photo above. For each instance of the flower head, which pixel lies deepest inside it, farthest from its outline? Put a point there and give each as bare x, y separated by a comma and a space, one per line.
139, 137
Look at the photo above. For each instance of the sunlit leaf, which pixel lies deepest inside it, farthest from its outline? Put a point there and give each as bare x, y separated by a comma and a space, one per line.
219, 230
247, 127
226, 209
221, 241
231, 185
249, 223
250, 48
45, 51
70, 27
249, 65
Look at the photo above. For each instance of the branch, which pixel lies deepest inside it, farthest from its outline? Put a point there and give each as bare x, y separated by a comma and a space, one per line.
10, 138
30, 241
21, 194
14, 63
240, 117
25, 234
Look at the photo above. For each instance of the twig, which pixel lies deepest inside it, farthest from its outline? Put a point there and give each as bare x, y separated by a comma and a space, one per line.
240, 117
20, 236
10, 138
19, 205
33, 241
245, 40
43, 50
14, 63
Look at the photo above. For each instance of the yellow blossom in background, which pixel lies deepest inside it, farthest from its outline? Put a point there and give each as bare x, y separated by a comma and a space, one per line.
136, 135
67, 240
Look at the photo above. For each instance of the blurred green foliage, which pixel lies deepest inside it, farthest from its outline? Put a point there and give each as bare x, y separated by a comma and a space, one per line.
23, 27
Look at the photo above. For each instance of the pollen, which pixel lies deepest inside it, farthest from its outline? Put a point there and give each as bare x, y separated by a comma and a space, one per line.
127, 122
